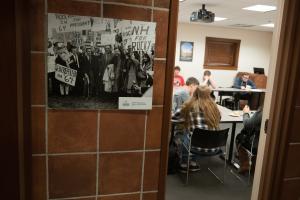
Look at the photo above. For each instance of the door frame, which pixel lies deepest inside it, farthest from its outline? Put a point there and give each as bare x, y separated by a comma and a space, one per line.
171, 52
280, 93
282, 101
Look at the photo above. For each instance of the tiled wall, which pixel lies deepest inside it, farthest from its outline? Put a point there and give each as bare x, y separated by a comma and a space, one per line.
96, 155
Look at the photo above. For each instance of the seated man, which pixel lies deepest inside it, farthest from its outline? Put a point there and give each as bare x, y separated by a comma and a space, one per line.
248, 136
182, 94
243, 83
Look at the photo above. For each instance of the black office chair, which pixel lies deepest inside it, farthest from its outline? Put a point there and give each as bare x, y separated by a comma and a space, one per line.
207, 143
251, 152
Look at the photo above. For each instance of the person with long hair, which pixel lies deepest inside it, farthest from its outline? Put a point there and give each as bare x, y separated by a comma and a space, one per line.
199, 112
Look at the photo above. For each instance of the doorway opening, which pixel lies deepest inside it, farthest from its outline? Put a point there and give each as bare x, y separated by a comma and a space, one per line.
237, 45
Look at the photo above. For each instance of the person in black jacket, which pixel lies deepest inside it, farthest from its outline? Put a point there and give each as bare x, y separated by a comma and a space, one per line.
249, 136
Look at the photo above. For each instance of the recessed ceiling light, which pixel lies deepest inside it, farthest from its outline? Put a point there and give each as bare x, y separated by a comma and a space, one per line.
270, 25
217, 19
181, 0
260, 8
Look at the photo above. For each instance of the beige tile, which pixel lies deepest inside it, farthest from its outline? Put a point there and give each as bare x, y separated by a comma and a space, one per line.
122, 130
38, 79
121, 197
154, 125
162, 20
72, 176
120, 173
38, 130
126, 12
38, 172
72, 131
73, 7
159, 82
151, 171
135, 2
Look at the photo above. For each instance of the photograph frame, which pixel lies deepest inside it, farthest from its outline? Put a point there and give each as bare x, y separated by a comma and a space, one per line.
96, 63
186, 51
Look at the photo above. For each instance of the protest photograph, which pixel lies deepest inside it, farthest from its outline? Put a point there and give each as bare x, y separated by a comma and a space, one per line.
99, 63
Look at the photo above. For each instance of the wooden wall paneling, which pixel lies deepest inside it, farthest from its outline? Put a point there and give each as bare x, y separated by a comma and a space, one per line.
173, 22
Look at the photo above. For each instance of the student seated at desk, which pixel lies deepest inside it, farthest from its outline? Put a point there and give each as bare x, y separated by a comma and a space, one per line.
248, 136
182, 94
243, 83
199, 112
208, 81
178, 80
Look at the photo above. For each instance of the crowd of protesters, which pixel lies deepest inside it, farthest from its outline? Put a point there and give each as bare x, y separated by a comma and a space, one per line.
110, 70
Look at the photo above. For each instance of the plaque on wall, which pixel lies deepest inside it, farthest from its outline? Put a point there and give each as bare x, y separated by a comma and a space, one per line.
99, 63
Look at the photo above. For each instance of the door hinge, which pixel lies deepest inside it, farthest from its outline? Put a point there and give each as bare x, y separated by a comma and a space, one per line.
266, 126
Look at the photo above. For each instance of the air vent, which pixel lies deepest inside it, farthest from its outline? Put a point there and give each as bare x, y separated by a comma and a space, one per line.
242, 25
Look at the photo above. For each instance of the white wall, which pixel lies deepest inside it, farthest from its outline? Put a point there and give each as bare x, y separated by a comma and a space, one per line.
255, 50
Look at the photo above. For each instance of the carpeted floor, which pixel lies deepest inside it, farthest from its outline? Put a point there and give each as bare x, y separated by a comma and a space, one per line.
203, 184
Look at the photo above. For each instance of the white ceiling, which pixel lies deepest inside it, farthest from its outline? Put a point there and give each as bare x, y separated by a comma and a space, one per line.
232, 10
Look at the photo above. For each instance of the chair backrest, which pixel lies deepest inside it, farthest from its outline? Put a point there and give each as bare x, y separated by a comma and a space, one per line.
209, 138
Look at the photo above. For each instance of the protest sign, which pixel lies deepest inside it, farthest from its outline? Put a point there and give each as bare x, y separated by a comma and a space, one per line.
65, 74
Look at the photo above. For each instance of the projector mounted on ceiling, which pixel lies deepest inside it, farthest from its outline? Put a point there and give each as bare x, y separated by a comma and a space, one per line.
203, 15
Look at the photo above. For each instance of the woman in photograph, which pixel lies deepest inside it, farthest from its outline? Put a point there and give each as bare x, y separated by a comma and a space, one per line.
198, 112
64, 59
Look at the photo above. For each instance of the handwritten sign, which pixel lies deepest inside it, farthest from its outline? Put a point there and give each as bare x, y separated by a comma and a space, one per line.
65, 74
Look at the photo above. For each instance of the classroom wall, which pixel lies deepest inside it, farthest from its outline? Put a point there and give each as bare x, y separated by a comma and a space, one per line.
93, 154
255, 50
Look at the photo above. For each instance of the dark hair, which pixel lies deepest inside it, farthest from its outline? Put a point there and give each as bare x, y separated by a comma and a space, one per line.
192, 80
177, 68
206, 73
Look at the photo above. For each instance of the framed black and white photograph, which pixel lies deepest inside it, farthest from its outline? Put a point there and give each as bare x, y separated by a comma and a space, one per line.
186, 51
99, 63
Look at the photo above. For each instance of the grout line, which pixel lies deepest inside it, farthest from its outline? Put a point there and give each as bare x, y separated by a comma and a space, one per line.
163, 59
72, 154
157, 106
38, 154
144, 155
69, 198
152, 7
38, 106
118, 194
95, 153
292, 179
98, 149
294, 143
46, 101
152, 191
88, 1
152, 150
137, 6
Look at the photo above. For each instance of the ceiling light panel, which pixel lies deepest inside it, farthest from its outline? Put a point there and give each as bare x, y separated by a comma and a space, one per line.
270, 25
261, 8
